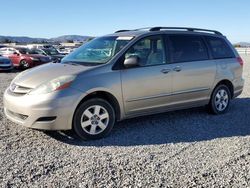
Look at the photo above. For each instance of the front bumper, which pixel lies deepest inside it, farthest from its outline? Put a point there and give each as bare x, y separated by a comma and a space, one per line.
37, 63
6, 68
52, 111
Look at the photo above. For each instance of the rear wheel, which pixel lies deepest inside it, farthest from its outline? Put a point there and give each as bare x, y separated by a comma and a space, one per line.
94, 119
24, 64
220, 100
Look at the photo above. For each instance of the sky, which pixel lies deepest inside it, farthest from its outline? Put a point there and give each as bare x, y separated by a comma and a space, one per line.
52, 18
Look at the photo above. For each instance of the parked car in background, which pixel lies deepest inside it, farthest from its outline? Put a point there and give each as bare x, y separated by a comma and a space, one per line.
5, 64
2, 46
50, 52
64, 50
24, 58
54, 54
127, 74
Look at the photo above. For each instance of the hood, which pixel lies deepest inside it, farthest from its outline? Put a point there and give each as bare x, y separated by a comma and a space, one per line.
4, 59
34, 55
36, 76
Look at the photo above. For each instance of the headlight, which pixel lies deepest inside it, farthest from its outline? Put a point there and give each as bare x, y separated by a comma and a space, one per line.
53, 85
34, 59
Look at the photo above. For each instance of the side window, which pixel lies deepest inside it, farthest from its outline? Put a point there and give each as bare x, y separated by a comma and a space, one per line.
149, 50
219, 48
185, 48
11, 51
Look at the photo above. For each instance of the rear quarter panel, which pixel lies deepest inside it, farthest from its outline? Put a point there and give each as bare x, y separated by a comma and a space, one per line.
229, 69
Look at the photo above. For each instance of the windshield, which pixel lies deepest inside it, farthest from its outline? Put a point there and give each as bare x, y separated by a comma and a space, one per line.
51, 51
97, 51
36, 51
23, 50
30, 51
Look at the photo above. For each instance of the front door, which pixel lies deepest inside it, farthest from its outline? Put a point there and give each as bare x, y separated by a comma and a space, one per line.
147, 87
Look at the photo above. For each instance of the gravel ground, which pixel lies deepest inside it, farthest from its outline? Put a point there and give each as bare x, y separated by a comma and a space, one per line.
186, 148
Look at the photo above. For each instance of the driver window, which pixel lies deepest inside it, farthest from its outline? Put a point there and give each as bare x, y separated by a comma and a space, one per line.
149, 50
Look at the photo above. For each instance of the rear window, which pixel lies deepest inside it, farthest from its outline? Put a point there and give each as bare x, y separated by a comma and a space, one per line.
185, 48
219, 48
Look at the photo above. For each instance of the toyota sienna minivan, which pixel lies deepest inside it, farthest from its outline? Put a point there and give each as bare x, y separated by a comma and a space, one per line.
126, 74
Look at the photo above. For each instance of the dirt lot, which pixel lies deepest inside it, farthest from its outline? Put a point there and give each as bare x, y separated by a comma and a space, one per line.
177, 149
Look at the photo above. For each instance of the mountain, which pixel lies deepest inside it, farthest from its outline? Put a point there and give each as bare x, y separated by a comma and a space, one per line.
64, 38
21, 39
243, 44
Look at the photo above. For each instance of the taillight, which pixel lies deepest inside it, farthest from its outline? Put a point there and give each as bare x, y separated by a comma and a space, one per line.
240, 61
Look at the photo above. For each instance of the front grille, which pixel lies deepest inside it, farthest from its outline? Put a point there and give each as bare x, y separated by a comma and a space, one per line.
14, 88
4, 62
17, 115
5, 67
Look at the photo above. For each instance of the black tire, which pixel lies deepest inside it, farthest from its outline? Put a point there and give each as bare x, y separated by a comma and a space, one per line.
84, 133
213, 106
24, 64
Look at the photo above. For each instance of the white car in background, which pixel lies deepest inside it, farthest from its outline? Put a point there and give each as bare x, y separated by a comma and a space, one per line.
7, 50
64, 50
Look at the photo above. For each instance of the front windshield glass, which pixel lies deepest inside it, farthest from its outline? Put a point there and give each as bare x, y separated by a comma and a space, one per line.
23, 50
97, 51
36, 51
51, 51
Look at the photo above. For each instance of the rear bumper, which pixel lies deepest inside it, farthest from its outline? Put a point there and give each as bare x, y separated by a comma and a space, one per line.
238, 87
46, 112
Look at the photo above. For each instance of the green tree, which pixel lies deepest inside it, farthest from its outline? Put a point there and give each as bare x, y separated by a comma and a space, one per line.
70, 41
7, 41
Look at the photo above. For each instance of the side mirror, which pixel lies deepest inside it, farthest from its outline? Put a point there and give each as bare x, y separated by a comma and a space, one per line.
131, 61
15, 53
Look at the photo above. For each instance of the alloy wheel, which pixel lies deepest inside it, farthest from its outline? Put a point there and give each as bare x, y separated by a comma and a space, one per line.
94, 119
221, 100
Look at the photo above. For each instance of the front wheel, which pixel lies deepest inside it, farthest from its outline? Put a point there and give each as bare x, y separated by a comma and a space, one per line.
94, 119
220, 100
24, 64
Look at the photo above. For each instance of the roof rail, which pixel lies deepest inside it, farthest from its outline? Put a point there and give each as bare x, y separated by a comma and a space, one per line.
185, 28
123, 30
173, 28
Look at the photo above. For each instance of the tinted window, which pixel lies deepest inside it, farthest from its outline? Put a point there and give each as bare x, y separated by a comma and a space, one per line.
149, 50
23, 50
187, 48
219, 48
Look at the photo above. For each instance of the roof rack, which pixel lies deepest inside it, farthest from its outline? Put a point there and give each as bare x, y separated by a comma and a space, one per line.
174, 28
124, 30
184, 28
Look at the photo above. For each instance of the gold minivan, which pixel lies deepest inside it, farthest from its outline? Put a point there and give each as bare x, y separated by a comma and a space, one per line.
126, 74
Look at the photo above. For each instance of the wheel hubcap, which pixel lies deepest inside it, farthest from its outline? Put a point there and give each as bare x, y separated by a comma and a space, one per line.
25, 64
221, 100
95, 119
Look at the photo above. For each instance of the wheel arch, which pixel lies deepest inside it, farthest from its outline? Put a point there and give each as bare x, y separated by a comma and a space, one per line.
228, 83
106, 96
21, 60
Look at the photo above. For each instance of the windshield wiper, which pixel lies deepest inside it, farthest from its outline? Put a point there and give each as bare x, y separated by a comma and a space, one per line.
81, 63
71, 63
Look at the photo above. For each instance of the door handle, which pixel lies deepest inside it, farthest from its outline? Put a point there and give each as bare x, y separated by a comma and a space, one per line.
177, 69
165, 71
